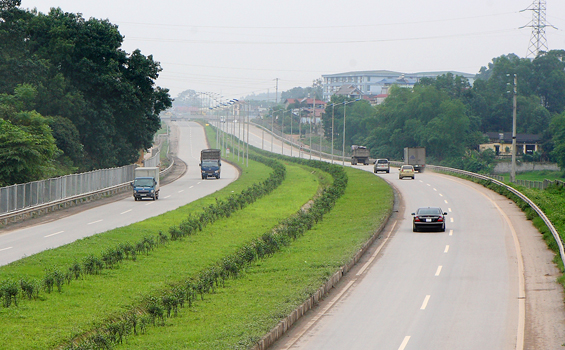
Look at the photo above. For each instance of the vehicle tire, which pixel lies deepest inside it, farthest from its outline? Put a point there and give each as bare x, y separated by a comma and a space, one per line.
414, 228
218, 176
375, 171
157, 196
388, 171
203, 177
400, 177
135, 199
412, 177
443, 228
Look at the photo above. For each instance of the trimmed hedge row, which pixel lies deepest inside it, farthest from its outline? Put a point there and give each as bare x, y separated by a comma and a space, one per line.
166, 303
30, 289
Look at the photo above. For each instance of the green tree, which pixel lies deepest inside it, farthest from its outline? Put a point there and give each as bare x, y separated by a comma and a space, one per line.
81, 73
26, 148
558, 131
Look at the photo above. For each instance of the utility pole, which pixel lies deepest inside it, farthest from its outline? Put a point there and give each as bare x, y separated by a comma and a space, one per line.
277, 92
538, 40
291, 135
343, 145
282, 134
513, 170
333, 109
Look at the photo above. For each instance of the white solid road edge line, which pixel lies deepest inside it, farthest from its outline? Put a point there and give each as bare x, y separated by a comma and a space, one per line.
318, 316
404, 343
361, 270
521, 279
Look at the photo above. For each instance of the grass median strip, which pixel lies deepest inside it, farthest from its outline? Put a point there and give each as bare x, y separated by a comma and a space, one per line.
237, 316
85, 304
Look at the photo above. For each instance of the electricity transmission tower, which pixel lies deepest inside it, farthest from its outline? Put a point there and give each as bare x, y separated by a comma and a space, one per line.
538, 40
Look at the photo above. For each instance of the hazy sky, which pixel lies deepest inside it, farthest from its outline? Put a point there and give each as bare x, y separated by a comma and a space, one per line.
235, 48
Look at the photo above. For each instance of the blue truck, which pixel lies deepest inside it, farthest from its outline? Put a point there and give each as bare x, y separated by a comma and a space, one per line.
146, 183
210, 163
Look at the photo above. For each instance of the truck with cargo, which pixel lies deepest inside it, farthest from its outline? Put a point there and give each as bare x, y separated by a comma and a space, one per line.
210, 163
146, 183
359, 154
415, 156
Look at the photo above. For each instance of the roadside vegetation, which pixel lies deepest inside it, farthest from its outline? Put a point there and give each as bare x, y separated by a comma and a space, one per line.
194, 260
537, 175
238, 314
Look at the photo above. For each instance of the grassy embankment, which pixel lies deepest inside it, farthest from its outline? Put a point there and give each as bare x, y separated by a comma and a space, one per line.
86, 303
272, 286
537, 175
237, 316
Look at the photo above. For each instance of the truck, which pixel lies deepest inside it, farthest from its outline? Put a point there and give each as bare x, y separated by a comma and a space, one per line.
415, 156
210, 163
359, 154
146, 183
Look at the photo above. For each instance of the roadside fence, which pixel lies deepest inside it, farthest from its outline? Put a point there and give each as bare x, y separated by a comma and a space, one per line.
17, 197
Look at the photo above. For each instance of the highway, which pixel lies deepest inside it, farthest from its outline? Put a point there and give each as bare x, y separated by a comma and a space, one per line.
431, 290
465, 288
486, 283
15, 244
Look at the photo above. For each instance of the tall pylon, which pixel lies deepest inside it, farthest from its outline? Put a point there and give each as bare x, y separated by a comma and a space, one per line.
538, 40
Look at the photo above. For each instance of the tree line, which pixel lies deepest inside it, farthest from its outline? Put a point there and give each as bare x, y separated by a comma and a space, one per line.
449, 116
71, 99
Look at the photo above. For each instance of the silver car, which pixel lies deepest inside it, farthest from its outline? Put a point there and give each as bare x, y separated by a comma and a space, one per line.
381, 165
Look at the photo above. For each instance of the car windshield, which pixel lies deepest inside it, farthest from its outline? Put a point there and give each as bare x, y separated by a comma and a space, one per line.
148, 182
429, 211
209, 163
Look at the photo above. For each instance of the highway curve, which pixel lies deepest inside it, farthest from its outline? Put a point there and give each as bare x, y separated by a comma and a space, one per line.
462, 289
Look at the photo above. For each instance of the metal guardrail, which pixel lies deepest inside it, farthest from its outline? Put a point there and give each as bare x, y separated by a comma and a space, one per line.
21, 196
19, 202
517, 193
496, 179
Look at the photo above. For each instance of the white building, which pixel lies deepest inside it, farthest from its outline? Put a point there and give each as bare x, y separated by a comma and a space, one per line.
376, 82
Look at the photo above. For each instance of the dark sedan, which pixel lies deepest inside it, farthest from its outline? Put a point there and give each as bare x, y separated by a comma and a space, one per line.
432, 218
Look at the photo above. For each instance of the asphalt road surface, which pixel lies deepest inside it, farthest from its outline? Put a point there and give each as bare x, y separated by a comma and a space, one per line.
465, 288
20, 242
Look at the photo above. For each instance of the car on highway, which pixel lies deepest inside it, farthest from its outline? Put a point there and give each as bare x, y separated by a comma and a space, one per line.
429, 218
381, 165
406, 171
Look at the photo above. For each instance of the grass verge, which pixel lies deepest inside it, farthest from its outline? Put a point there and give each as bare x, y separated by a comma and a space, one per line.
238, 315
85, 304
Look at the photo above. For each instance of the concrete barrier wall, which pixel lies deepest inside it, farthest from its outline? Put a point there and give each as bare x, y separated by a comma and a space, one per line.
502, 168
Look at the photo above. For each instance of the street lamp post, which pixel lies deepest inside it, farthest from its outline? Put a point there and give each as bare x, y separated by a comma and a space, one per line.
282, 133
333, 110
513, 170
291, 135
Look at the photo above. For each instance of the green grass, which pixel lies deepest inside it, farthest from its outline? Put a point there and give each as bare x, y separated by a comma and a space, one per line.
537, 175
86, 303
236, 316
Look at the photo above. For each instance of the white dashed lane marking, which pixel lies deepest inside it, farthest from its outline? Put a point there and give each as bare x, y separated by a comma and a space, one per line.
53, 234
